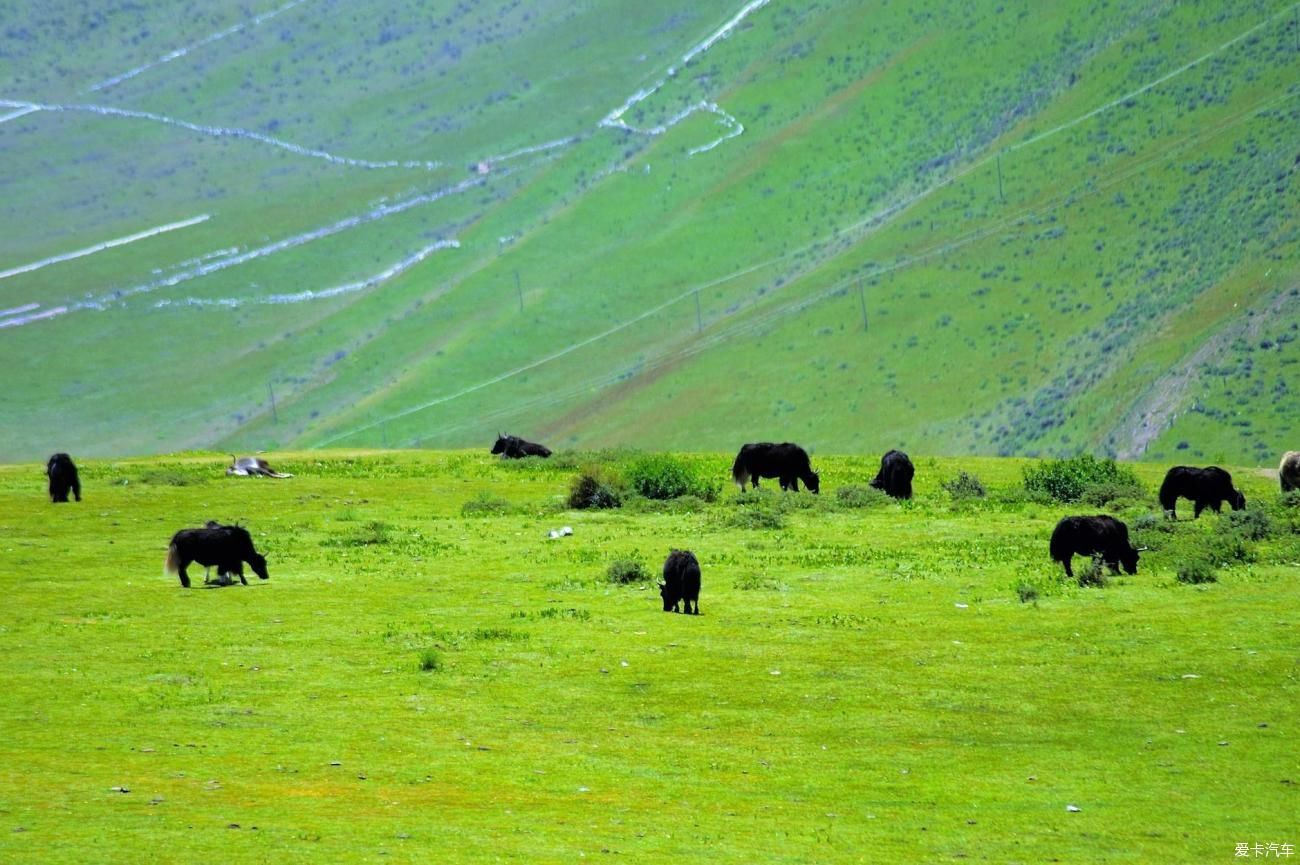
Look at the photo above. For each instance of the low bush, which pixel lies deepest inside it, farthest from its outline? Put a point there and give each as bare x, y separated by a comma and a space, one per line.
1092, 574
1254, 524
860, 496
1067, 480
484, 505
1196, 571
625, 571
660, 476
1026, 591
964, 486
595, 487
758, 517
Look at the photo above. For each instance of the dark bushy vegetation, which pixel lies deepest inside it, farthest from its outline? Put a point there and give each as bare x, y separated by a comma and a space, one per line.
595, 487
1069, 480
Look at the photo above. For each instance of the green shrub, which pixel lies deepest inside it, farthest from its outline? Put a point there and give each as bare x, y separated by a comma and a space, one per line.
860, 496
624, 571
1110, 493
759, 517
758, 582
1093, 574
1066, 480
964, 486
430, 661
660, 476
1196, 571
594, 488
1026, 591
484, 505
1254, 524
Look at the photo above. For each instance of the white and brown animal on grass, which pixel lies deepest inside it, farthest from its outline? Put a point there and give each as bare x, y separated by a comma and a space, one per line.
250, 466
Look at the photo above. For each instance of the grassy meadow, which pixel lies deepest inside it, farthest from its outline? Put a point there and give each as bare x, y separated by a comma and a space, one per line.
428, 677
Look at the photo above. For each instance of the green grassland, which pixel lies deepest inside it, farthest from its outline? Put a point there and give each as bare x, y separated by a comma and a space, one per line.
427, 676
973, 227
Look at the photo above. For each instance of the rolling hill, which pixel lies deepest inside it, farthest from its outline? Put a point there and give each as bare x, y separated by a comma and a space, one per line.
973, 228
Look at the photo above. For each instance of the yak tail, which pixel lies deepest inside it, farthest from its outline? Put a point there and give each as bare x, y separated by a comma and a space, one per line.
172, 566
739, 473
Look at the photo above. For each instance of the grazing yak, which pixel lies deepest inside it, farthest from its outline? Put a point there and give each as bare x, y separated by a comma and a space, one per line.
223, 546
1209, 487
1288, 471
249, 466
1102, 536
514, 448
895, 475
788, 462
681, 583
63, 478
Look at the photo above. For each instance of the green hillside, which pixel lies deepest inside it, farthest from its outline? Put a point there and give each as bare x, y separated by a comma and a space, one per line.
428, 677
968, 227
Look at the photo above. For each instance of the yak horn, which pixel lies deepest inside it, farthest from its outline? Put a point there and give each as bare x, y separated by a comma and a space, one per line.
1140, 549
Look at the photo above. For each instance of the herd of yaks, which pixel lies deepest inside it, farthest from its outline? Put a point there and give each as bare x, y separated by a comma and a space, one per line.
227, 547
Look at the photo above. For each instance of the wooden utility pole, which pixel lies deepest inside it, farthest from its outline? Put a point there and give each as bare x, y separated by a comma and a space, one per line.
1001, 197
862, 297
699, 319
275, 415
519, 291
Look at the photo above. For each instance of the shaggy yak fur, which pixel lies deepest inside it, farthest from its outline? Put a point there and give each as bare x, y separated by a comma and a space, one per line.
787, 462
63, 478
1102, 536
214, 545
1288, 471
514, 448
1209, 487
681, 582
895, 475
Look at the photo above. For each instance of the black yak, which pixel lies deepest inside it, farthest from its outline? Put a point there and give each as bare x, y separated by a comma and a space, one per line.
1102, 536
250, 466
223, 546
788, 462
1288, 471
1209, 487
514, 448
63, 478
895, 475
681, 582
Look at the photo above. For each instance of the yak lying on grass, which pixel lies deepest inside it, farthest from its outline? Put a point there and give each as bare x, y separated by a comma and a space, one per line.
1101, 536
895, 475
1288, 471
62, 473
224, 547
514, 448
252, 466
1209, 487
681, 583
786, 461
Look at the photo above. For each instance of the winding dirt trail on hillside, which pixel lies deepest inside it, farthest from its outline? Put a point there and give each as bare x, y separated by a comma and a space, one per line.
1156, 409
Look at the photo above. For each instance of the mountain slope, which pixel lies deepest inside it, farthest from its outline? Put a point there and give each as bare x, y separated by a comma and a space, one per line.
974, 228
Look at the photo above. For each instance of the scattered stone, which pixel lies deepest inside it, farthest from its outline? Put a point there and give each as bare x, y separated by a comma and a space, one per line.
1073, 808
120, 789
